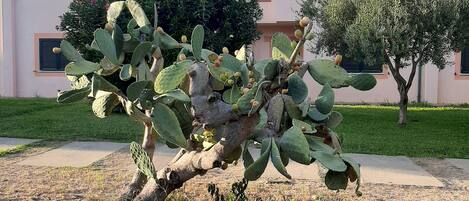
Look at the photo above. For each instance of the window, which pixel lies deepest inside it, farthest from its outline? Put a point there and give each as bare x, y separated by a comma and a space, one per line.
359, 67
48, 61
465, 61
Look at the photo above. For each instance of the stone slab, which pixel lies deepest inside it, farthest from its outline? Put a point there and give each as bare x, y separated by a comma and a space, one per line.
460, 163
75, 154
10, 143
398, 170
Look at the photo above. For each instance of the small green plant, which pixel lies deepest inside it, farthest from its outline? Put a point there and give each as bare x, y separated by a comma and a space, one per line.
236, 193
208, 105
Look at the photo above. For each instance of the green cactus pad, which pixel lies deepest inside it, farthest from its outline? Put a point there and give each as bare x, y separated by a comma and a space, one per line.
277, 160
142, 160
70, 52
106, 45
271, 70
247, 157
330, 160
293, 142
336, 180
126, 72
171, 77
176, 94
114, 11
281, 46
232, 95
297, 88
118, 37
165, 41
334, 119
137, 13
135, 89
73, 95
197, 41
244, 102
317, 116
301, 124
234, 155
354, 165
325, 100
140, 52
81, 67
255, 170
292, 108
362, 82
104, 104
98, 83
317, 144
167, 125
325, 71
241, 55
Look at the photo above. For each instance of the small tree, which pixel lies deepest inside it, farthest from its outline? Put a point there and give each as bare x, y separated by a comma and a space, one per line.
209, 104
224, 19
398, 33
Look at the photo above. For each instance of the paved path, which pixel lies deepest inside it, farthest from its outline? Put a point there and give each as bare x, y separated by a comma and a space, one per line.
75, 154
460, 163
375, 169
10, 143
393, 170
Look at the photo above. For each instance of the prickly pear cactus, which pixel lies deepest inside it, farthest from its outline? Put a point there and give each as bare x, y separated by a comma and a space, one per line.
290, 126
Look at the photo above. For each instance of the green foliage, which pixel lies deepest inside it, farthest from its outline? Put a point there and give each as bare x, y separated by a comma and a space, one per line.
73, 95
281, 46
295, 145
171, 77
325, 100
103, 105
141, 159
297, 88
167, 125
237, 87
255, 170
197, 41
222, 19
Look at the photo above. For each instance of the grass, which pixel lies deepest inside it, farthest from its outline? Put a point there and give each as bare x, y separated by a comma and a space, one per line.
431, 131
46, 119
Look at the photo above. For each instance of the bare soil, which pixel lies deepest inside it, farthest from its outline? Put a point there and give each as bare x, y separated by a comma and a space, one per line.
105, 179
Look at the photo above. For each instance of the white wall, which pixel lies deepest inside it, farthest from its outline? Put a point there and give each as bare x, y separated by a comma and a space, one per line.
36, 16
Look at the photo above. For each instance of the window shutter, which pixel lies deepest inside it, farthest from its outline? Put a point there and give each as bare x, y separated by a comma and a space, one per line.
465, 60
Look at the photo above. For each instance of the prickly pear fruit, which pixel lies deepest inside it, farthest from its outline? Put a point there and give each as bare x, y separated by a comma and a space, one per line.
56, 50
338, 59
298, 34
184, 39
304, 21
225, 50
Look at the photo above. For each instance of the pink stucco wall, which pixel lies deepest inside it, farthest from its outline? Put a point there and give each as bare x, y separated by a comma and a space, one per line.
22, 20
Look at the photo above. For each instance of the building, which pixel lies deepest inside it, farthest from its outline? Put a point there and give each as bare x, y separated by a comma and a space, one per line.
27, 33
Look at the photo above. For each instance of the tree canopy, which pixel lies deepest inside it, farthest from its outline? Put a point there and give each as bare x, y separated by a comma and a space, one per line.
399, 33
228, 23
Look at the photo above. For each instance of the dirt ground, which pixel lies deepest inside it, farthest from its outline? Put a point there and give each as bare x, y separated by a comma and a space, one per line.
105, 179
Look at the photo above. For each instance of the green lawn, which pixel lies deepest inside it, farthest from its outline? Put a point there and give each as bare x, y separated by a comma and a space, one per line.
431, 132
46, 119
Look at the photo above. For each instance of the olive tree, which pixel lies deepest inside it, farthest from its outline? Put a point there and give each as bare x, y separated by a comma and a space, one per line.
211, 106
400, 34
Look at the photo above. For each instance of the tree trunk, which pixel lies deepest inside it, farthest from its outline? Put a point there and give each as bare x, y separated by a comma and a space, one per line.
404, 100
139, 179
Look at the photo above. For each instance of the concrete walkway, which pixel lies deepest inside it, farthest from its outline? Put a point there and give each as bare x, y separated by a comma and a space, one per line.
10, 143
375, 169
